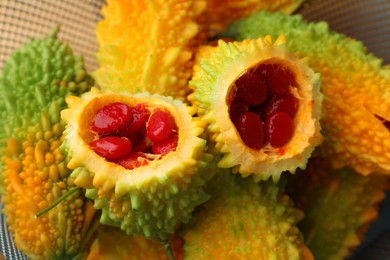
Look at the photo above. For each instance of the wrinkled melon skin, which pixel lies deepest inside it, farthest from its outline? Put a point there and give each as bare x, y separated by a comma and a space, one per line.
33, 86
219, 14
245, 220
339, 206
148, 43
150, 200
355, 83
36, 78
215, 71
112, 243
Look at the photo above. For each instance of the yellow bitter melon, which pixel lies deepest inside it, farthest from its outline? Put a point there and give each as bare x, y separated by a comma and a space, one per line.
355, 84
214, 83
33, 86
339, 206
113, 243
152, 199
245, 220
219, 14
147, 43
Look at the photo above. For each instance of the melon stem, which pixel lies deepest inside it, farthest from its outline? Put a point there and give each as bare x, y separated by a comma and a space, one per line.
58, 201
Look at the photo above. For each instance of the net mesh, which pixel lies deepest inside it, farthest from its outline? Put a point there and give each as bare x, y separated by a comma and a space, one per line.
368, 21
22, 20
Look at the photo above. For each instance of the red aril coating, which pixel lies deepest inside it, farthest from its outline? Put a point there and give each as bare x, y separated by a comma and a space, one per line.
237, 107
278, 78
259, 109
275, 104
279, 129
111, 118
134, 139
167, 145
138, 122
139, 143
250, 127
251, 88
112, 147
285, 103
132, 161
160, 125
143, 146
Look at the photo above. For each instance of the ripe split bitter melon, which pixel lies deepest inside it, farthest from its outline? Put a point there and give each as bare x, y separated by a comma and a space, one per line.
155, 187
355, 84
262, 105
33, 86
339, 206
245, 220
148, 43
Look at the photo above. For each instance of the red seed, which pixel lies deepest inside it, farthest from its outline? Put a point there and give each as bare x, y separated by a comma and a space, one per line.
250, 127
132, 161
237, 107
112, 147
111, 118
138, 122
166, 146
251, 89
160, 125
279, 129
286, 103
278, 78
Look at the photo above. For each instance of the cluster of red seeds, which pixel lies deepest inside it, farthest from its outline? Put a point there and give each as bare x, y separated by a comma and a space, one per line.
263, 107
126, 134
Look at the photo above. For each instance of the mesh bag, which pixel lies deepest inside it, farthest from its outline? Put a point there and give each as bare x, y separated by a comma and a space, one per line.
368, 21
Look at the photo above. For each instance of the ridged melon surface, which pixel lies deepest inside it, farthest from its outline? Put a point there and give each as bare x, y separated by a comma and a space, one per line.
33, 86
113, 243
219, 14
355, 83
150, 200
147, 43
339, 206
216, 70
245, 220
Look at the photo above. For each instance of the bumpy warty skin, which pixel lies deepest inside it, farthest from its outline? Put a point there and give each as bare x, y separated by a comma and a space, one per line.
245, 220
113, 243
149, 200
219, 14
148, 45
33, 86
339, 206
215, 71
355, 83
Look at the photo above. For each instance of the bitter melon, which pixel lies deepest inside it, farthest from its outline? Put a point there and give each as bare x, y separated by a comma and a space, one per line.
355, 84
219, 14
245, 220
33, 86
262, 105
148, 43
113, 243
339, 206
143, 189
